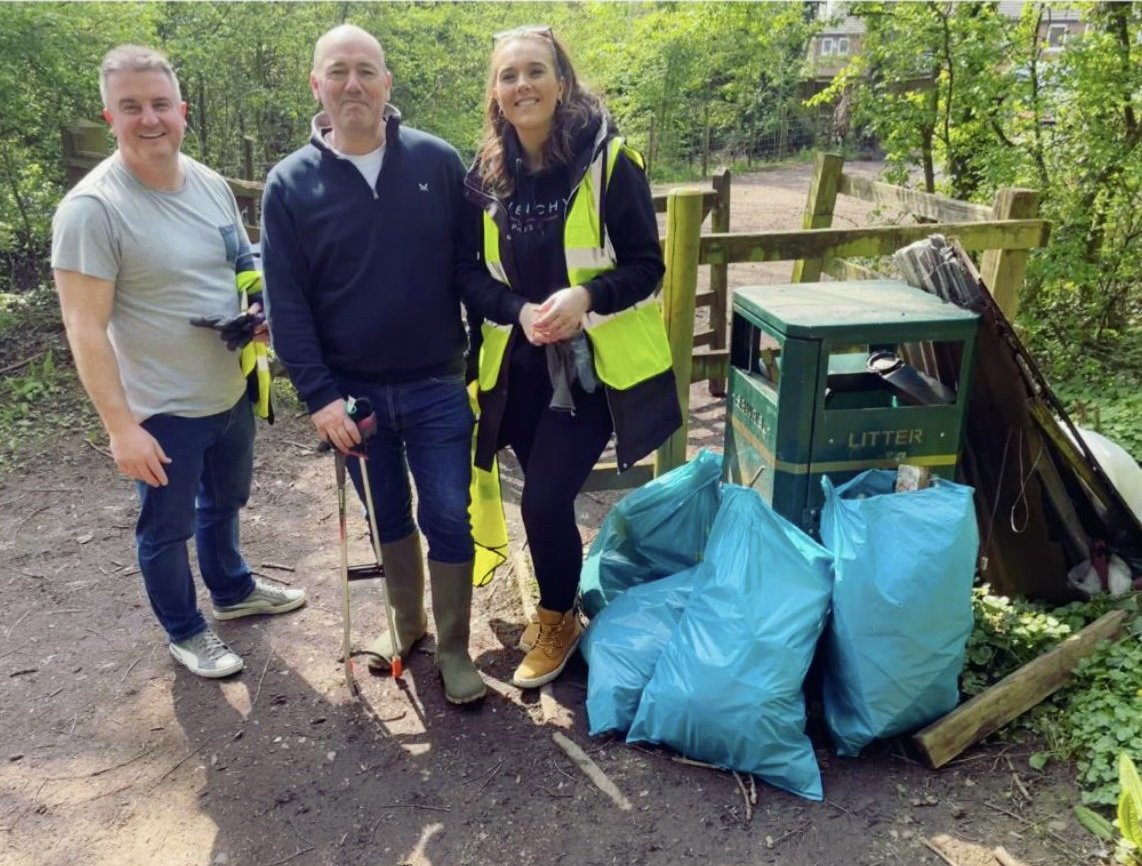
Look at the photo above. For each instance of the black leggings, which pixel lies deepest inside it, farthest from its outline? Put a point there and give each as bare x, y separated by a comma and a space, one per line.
557, 451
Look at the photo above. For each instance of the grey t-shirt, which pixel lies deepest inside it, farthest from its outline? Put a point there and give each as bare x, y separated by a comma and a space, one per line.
171, 256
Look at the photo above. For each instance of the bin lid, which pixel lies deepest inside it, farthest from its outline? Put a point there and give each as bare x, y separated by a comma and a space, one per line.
883, 309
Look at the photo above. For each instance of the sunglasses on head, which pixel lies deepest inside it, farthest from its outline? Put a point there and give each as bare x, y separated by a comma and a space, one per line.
525, 30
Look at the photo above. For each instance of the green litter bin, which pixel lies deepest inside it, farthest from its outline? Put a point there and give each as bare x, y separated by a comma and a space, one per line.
824, 381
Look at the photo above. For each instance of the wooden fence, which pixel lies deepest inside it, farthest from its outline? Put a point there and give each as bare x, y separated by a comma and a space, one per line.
1006, 233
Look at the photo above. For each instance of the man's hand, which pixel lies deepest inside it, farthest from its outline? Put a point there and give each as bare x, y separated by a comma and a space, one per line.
262, 328
334, 425
561, 316
236, 331
139, 456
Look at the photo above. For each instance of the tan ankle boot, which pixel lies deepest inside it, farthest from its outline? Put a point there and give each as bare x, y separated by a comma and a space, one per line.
530, 633
452, 609
404, 582
556, 641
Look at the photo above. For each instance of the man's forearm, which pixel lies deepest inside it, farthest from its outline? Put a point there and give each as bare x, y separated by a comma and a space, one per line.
99, 372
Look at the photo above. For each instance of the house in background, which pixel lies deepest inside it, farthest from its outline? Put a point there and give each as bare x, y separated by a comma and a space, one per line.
841, 34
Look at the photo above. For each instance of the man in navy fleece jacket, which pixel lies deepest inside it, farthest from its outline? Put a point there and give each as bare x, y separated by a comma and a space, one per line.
364, 262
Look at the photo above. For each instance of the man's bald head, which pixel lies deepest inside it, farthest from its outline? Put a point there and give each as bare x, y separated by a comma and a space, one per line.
344, 34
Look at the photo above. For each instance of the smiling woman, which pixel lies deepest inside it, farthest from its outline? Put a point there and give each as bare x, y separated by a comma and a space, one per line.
569, 226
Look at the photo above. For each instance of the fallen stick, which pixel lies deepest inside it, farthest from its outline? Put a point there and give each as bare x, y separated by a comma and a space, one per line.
20, 364
935, 849
102, 451
184, 759
745, 796
690, 762
1012, 696
277, 566
592, 771
1006, 859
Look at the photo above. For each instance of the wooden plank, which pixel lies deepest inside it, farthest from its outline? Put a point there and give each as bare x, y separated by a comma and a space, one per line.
703, 299
710, 365
869, 241
709, 199
926, 204
706, 338
843, 269
827, 169
1016, 693
1002, 266
683, 230
246, 188
605, 476
719, 276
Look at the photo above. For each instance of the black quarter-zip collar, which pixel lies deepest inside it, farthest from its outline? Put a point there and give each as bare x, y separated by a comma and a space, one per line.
320, 125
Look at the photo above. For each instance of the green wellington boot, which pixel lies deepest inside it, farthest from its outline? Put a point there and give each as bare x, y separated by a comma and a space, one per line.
404, 582
452, 609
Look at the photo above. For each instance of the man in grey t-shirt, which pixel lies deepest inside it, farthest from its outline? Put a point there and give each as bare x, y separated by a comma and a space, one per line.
147, 241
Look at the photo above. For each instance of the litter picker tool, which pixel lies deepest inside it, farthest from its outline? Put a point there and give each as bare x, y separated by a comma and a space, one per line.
361, 411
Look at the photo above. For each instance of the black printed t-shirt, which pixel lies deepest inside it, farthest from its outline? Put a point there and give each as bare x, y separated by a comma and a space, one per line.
536, 213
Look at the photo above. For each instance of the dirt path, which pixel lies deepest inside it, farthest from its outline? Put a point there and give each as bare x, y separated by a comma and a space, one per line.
111, 754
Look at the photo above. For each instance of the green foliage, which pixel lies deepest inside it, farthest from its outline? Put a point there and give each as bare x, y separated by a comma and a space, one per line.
724, 73
1007, 634
973, 102
1102, 718
1130, 809
1097, 715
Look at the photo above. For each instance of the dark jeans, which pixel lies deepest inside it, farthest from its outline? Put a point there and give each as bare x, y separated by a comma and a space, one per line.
212, 460
424, 426
557, 451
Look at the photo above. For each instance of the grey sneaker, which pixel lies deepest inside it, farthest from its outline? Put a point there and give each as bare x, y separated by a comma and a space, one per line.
206, 655
265, 598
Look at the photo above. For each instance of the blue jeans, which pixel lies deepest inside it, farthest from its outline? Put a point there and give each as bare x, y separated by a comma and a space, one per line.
425, 426
212, 462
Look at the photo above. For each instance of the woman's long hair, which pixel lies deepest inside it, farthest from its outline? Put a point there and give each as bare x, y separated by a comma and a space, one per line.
578, 108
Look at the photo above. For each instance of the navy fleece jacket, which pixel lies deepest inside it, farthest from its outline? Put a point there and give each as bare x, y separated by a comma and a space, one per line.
367, 282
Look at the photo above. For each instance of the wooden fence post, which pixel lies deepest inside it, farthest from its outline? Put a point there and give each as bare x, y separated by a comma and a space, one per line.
719, 276
683, 233
248, 157
1002, 270
827, 169
84, 147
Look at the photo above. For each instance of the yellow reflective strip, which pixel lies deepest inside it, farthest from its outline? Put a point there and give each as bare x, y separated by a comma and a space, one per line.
596, 319
492, 351
587, 257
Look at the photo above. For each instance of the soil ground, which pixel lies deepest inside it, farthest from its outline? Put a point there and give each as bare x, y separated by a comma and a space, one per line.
110, 753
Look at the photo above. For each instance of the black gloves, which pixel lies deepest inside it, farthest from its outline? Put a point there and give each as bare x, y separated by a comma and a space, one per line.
235, 331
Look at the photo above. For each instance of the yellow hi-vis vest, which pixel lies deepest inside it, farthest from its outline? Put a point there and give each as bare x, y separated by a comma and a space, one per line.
254, 357
486, 512
629, 346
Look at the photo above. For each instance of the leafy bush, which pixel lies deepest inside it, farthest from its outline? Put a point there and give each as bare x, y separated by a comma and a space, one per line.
1097, 715
1101, 717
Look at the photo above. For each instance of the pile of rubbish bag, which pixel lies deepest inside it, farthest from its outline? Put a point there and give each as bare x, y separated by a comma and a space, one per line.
708, 608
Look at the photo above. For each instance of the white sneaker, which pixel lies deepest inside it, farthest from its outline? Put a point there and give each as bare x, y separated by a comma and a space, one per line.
206, 655
264, 598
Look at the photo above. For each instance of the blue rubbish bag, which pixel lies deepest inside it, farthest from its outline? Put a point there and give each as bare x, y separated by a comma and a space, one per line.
902, 614
623, 644
655, 531
727, 688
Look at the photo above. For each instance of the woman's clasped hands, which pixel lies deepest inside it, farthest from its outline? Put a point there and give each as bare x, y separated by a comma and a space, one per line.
558, 318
